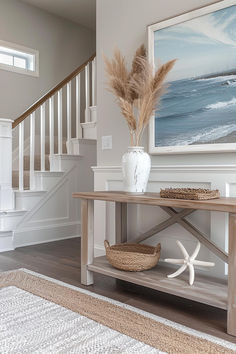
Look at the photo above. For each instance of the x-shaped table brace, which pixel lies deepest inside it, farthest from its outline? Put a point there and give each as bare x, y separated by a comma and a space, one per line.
179, 218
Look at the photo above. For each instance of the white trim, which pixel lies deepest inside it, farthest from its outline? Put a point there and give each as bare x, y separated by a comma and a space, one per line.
65, 157
23, 49
44, 241
99, 250
50, 226
51, 174
37, 235
29, 193
187, 149
162, 320
12, 213
89, 125
178, 168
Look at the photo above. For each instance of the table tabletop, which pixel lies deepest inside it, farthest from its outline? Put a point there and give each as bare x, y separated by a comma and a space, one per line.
224, 204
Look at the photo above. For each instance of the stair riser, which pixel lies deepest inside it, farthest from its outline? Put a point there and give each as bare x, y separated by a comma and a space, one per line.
46, 182
9, 221
89, 130
27, 200
7, 201
6, 241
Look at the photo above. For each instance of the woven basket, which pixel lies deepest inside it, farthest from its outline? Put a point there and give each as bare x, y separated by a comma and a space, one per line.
132, 257
189, 193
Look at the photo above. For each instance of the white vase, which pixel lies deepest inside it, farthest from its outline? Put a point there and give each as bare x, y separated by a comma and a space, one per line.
136, 165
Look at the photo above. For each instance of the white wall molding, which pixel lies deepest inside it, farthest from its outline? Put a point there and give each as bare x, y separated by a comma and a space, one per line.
142, 218
176, 168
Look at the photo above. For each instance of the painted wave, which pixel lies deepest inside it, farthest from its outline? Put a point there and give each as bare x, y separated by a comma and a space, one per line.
197, 111
204, 136
222, 104
218, 78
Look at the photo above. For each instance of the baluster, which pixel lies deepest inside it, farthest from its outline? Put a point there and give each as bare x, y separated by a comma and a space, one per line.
68, 89
87, 93
93, 81
42, 138
59, 114
21, 156
51, 124
32, 149
77, 106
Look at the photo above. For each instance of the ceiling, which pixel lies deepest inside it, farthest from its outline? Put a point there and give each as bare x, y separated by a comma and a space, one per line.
79, 11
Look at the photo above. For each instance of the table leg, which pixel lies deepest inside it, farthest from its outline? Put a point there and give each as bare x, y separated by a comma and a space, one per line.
121, 222
231, 322
87, 240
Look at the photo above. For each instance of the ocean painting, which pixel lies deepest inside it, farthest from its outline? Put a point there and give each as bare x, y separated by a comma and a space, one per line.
200, 106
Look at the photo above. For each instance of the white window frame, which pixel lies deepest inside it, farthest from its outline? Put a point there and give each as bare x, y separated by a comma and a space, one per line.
23, 49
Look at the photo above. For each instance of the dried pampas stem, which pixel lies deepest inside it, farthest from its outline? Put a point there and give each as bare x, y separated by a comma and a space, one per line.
138, 90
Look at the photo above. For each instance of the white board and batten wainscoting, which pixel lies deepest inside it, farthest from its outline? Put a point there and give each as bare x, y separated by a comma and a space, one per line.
141, 218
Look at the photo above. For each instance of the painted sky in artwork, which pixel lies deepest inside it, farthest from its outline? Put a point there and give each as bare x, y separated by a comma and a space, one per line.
203, 45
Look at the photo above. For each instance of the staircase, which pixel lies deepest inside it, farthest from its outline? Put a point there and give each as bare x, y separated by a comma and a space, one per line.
46, 154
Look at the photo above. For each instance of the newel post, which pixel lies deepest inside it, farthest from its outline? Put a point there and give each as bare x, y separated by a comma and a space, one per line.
6, 191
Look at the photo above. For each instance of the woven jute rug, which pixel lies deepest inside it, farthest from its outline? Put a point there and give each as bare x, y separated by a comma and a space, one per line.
42, 315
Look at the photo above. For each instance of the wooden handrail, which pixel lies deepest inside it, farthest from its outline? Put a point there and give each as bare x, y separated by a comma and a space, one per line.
43, 99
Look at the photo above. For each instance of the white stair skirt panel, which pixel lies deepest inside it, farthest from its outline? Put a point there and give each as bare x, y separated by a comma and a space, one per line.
57, 215
51, 213
142, 218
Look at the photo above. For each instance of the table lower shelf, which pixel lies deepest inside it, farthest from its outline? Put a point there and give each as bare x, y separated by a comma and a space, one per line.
206, 290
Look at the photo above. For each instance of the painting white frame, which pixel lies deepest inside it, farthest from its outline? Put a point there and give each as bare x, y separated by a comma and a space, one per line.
203, 148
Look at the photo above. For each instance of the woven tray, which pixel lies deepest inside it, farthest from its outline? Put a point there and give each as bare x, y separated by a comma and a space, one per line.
189, 193
132, 257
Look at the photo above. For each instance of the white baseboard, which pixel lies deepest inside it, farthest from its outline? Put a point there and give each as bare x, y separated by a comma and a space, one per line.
99, 250
47, 241
50, 233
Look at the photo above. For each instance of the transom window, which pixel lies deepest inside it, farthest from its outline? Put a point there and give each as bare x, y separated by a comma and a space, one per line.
18, 58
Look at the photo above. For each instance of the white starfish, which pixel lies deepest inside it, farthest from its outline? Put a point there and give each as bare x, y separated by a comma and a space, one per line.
188, 261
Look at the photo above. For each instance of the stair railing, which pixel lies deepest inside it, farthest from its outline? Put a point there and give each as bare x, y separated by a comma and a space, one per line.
88, 72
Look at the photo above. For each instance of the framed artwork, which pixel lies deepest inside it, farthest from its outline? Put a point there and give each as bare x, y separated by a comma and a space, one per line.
198, 113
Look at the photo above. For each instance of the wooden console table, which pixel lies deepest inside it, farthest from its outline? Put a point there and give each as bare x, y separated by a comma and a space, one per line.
205, 289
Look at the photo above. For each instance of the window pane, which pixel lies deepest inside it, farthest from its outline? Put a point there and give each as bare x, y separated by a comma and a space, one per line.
20, 62
6, 59
18, 57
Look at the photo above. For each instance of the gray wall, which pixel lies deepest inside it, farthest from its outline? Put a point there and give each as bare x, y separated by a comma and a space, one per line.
122, 24
62, 46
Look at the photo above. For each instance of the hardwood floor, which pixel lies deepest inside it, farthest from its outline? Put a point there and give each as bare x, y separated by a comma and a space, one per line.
61, 260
